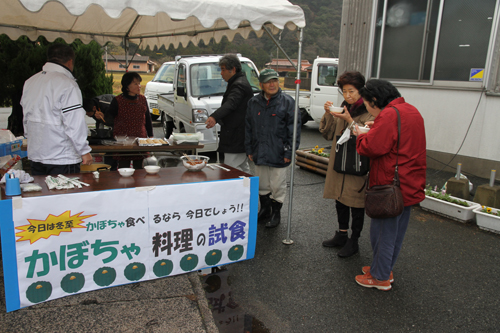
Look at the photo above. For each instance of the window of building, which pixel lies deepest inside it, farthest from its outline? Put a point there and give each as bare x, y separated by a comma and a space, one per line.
405, 45
136, 66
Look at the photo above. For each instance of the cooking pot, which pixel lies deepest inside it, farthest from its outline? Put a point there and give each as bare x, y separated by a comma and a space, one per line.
101, 133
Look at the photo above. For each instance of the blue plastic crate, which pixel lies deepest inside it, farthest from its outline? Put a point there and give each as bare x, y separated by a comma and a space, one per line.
13, 147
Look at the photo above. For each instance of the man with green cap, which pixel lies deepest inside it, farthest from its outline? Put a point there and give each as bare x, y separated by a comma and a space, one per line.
268, 143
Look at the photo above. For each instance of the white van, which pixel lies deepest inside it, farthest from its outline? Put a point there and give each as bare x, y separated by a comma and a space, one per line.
162, 83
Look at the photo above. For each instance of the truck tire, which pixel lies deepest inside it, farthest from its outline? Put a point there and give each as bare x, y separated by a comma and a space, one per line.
168, 126
304, 116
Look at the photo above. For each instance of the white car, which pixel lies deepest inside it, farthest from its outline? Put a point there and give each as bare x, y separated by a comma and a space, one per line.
162, 83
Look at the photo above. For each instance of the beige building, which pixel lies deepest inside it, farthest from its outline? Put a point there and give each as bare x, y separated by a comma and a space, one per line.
138, 63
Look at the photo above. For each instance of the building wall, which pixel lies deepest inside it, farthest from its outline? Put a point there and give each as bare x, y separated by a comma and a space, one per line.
354, 46
114, 66
447, 115
447, 112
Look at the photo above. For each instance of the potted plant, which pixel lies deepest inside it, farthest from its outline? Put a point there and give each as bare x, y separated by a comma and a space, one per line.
446, 205
488, 218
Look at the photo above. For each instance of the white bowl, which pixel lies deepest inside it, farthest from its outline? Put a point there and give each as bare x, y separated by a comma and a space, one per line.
363, 130
200, 162
152, 169
126, 172
336, 109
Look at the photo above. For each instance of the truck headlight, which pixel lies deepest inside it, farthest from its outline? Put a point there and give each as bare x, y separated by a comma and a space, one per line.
200, 115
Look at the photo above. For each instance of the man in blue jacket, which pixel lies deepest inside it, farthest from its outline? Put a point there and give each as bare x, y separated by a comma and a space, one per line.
268, 143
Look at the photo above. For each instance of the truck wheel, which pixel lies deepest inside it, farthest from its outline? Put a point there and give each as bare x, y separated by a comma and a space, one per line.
168, 126
304, 116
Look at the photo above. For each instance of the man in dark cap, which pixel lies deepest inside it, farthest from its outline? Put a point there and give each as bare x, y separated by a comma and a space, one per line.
268, 143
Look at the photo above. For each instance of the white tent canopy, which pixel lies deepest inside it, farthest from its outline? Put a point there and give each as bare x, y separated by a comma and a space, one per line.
154, 22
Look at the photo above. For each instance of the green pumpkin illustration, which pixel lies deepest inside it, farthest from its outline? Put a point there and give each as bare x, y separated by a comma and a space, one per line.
213, 257
135, 271
73, 282
235, 252
104, 276
39, 291
189, 262
163, 267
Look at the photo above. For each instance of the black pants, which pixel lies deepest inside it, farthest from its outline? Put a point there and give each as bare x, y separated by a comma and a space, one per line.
358, 217
38, 168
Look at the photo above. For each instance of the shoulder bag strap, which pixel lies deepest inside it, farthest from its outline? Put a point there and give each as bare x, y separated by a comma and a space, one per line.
396, 175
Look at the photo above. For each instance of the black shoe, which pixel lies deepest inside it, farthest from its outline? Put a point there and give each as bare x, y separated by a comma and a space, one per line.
350, 248
265, 208
276, 214
338, 240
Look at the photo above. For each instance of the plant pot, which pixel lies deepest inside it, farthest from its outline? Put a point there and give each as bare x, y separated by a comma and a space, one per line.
450, 210
487, 221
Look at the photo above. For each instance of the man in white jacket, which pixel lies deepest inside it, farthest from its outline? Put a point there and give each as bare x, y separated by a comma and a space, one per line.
54, 119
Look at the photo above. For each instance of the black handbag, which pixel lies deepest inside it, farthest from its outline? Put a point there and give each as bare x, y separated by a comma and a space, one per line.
385, 201
348, 161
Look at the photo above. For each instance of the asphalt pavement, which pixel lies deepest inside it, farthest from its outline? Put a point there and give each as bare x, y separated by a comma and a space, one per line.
445, 281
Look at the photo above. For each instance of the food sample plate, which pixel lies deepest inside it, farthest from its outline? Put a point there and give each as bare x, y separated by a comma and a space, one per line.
152, 142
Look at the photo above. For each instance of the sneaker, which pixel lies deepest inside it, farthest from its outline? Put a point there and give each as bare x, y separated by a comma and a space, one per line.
369, 281
366, 270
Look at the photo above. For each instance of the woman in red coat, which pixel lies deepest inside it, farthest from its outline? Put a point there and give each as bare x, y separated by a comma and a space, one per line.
131, 117
380, 145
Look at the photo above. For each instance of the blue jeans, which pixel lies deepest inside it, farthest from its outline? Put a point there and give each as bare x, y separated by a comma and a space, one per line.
386, 236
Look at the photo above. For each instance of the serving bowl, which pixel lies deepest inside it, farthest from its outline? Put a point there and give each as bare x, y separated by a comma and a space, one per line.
126, 172
363, 130
194, 162
152, 169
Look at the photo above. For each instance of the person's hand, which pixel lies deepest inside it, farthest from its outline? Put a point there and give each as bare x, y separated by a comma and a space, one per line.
87, 159
327, 106
210, 122
250, 157
345, 115
355, 130
99, 115
369, 124
287, 160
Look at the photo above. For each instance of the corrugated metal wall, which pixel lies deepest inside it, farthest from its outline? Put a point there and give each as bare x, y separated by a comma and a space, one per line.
494, 80
355, 35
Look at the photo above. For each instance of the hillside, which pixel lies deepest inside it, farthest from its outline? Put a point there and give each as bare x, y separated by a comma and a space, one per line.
321, 38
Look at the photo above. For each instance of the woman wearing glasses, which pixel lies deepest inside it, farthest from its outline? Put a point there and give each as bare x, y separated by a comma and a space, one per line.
347, 190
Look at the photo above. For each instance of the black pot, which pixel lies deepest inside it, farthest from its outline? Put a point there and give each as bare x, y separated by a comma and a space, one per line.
101, 133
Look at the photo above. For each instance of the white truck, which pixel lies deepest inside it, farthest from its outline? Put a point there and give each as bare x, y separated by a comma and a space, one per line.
323, 88
162, 83
198, 91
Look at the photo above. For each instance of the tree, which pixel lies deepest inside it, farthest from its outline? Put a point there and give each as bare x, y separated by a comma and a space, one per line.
22, 58
19, 61
90, 71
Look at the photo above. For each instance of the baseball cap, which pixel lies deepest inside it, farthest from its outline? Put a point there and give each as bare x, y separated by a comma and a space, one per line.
267, 74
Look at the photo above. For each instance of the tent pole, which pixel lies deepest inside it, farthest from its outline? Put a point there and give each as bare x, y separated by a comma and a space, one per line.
268, 32
288, 241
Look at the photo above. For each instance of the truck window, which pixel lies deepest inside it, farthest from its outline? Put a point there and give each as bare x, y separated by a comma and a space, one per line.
252, 76
327, 75
165, 74
206, 80
181, 78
